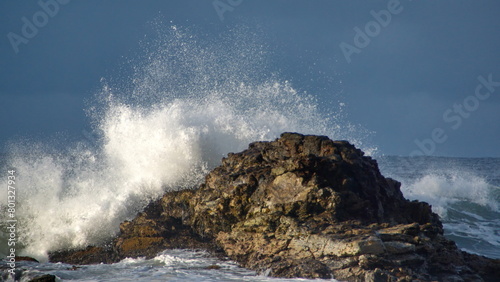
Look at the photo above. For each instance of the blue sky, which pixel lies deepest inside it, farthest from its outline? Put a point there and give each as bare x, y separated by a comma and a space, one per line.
412, 76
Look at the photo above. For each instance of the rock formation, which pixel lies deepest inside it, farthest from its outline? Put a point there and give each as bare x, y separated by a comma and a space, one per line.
300, 206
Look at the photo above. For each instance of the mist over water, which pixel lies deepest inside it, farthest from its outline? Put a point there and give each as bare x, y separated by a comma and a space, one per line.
189, 102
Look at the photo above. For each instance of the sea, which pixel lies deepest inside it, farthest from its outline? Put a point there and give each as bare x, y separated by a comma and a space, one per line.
183, 104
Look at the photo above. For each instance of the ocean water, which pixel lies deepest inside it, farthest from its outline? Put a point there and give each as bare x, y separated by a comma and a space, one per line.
464, 192
187, 102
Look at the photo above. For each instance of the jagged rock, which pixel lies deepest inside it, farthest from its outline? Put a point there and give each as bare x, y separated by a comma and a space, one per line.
304, 206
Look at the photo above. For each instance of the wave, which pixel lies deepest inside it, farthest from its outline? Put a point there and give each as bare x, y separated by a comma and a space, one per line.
463, 192
442, 189
188, 102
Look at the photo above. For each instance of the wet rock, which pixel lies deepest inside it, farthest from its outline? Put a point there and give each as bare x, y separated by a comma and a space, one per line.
213, 267
44, 278
21, 258
89, 255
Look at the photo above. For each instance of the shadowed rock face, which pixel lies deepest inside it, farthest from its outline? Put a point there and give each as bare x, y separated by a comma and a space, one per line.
301, 206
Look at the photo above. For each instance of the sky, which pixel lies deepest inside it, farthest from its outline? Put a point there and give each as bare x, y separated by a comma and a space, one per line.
422, 76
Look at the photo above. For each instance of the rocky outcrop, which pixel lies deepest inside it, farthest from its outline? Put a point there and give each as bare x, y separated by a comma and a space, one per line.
302, 206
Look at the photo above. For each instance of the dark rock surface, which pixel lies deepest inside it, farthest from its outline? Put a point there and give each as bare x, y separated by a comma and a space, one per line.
300, 206
21, 258
44, 278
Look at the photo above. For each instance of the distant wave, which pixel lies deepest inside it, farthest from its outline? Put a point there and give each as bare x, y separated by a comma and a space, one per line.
443, 189
463, 192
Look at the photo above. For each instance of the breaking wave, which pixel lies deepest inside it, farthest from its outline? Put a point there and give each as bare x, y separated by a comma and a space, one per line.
187, 104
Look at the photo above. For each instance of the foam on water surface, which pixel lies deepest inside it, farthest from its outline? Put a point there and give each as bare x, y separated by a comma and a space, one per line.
170, 265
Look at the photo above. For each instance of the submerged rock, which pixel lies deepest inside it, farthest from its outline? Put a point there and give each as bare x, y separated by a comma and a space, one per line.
302, 206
